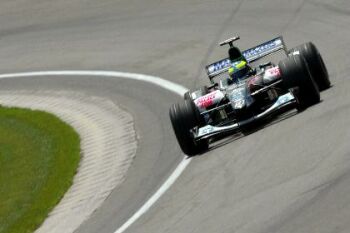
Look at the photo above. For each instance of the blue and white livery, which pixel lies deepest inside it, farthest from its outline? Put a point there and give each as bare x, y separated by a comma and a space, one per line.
250, 55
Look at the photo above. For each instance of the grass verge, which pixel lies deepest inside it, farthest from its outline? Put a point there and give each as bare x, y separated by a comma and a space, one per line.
39, 155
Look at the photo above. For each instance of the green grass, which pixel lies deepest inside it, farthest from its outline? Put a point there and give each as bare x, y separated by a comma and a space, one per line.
39, 155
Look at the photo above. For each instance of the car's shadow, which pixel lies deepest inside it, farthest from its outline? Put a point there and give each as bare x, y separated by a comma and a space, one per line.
231, 137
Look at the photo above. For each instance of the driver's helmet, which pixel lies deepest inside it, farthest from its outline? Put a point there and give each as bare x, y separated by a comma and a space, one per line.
238, 70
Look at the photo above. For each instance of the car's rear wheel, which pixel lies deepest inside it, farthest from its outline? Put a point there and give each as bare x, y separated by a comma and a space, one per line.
315, 63
295, 73
184, 117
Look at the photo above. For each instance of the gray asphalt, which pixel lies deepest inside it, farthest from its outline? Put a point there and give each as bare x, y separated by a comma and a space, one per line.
292, 176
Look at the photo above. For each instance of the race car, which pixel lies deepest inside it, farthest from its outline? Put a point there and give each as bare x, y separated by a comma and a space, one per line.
242, 94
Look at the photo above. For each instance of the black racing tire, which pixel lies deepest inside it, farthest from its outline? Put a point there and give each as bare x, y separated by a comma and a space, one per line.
184, 117
316, 64
203, 91
295, 73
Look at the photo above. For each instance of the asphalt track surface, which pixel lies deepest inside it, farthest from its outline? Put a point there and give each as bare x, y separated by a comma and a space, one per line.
292, 176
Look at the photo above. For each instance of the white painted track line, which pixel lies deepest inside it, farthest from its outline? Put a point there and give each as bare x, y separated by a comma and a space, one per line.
167, 184
173, 87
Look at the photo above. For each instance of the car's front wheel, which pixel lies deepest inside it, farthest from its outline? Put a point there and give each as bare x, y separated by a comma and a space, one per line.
315, 63
184, 117
295, 73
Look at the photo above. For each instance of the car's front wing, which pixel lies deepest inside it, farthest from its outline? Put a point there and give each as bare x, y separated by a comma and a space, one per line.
209, 130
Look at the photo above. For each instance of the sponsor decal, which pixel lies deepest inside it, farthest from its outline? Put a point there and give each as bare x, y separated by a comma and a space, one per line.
284, 98
239, 104
209, 99
206, 101
219, 65
205, 130
263, 48
236, 96
275, 71
253, 80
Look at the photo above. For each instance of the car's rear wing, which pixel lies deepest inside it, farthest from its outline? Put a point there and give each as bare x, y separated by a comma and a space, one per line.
251, 55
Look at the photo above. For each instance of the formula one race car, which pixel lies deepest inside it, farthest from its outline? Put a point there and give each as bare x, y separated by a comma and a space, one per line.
243, 94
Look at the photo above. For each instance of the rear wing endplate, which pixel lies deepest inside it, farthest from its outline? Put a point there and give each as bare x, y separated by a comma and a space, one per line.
250, 55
